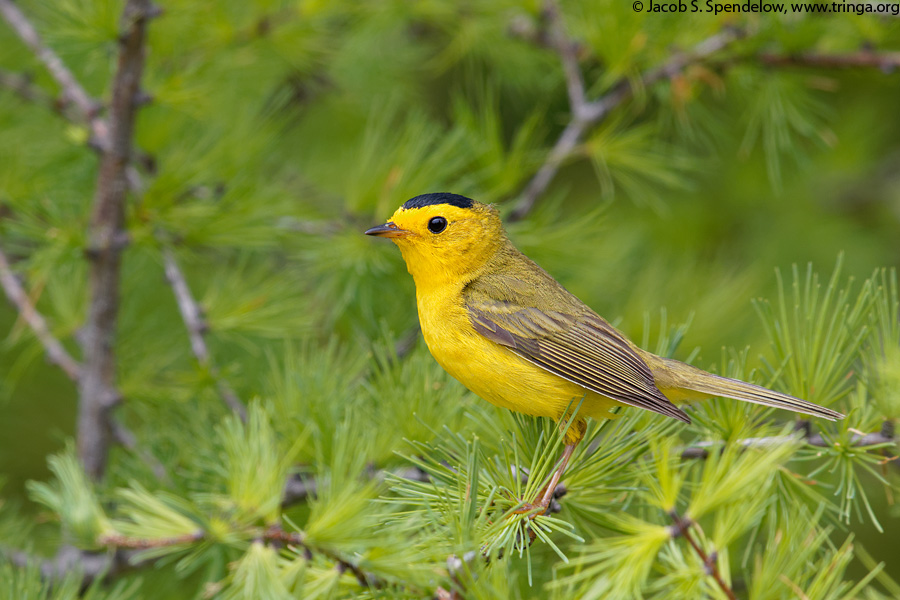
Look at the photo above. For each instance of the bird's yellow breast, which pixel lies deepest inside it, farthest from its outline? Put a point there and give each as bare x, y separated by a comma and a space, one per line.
494, 372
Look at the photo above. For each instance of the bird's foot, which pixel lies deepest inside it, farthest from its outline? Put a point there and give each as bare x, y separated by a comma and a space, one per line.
545, 503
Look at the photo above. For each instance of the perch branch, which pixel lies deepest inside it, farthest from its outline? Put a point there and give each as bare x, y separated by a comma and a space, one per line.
56, 352
192, 315
106, 241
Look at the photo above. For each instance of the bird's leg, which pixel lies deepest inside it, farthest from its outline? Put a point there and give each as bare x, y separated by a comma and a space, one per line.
554, 480
546, 494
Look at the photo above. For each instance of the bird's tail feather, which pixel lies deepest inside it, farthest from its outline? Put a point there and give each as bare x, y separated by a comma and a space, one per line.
681, 376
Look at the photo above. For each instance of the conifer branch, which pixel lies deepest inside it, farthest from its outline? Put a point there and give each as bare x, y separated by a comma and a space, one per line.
133, 543
273, 533
59, 356
682, 528
366, 580
56, 352
886, 435
72, 91
568, 55
587, 114
886, 61
192, 315
107, 239
22, 85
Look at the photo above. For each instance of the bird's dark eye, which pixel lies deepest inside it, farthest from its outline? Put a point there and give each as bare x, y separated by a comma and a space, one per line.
437, 224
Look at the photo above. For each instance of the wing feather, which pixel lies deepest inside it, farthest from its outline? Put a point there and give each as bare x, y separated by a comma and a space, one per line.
586, 351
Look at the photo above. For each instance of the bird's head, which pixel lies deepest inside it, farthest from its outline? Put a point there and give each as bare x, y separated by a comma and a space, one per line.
443, 237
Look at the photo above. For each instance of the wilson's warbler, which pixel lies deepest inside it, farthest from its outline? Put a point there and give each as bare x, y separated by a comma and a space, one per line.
512, 334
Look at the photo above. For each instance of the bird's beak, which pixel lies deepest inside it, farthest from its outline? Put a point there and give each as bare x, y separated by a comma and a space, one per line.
388, 230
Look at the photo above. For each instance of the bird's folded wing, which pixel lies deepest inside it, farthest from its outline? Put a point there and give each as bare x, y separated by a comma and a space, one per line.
585, 350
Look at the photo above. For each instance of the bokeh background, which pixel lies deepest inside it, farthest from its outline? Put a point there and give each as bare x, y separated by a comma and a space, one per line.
275, 132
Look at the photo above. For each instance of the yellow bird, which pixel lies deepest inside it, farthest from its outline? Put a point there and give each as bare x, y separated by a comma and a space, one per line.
513, 335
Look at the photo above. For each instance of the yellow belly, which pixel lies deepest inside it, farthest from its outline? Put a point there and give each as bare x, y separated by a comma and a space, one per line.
495, 372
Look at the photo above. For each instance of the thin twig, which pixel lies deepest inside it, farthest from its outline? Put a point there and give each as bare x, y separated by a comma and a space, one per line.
23, 87
885, 436
192, 315
886, 61
366, 580
107, 239
72, 91
124, 541
116, 160
57, 355
682, 527
587, 114
274, 533
87, 109
56, 352
568, 56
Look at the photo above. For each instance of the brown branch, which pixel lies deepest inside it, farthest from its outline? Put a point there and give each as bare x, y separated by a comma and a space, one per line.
296, 538
192, 315
886, 61
106, 240
587, 114
682, 527
56, 352
72, 91
857, 440
274, 533
568, 56
124, 541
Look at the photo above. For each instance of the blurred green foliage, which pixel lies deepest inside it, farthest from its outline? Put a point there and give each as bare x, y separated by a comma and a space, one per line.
279, 130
